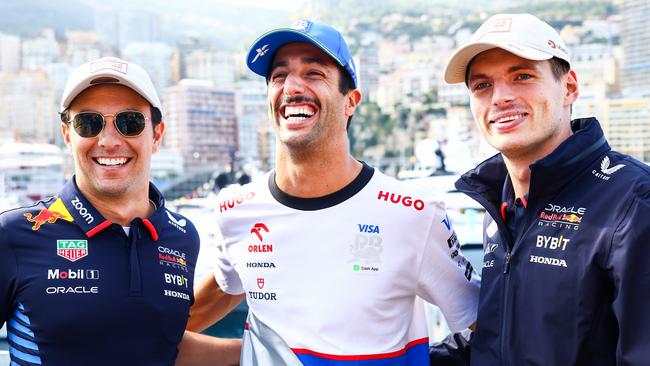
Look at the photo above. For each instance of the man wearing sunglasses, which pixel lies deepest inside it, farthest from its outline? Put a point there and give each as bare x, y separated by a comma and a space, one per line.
101, 274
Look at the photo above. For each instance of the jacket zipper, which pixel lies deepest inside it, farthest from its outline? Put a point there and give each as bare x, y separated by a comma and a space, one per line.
506, 290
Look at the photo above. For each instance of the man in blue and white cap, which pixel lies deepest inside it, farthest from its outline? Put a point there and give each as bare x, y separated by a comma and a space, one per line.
329, 253
566, 238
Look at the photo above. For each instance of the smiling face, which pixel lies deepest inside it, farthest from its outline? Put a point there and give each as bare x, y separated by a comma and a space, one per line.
521, 109
305, 103
109, 164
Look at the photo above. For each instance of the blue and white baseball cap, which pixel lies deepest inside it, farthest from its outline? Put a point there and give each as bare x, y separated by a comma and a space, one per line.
326, 38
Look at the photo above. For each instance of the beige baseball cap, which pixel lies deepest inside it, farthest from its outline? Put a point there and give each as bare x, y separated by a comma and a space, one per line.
524, 35
109, 70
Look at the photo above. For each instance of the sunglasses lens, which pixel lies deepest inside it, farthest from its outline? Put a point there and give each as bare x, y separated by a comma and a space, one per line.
130, 123
88, 124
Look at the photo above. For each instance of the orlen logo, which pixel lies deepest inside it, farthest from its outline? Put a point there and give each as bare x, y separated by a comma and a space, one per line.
72, 274
404, 200
257, 228
82, 210
230, 203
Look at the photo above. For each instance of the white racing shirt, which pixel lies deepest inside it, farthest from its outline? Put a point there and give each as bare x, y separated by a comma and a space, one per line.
333, 280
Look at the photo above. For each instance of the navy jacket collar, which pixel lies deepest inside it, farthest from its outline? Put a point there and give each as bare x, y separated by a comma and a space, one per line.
87, 217
549, 174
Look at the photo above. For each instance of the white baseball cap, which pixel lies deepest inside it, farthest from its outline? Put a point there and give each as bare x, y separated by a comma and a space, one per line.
524, 35
109, 70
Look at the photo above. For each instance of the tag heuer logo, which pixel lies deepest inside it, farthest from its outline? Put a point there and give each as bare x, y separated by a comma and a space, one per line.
72, 249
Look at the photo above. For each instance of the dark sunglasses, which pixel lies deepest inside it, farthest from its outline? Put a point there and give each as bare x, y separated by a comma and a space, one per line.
127, 123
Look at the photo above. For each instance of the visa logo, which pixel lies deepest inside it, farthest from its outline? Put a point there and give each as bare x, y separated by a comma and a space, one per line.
371, 229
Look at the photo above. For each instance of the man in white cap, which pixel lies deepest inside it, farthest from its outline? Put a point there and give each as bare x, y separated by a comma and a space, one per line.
101, 274
329, 253
567, 240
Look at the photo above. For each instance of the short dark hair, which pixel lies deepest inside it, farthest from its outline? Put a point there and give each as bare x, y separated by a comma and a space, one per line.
346, 84
156, 115
559, 67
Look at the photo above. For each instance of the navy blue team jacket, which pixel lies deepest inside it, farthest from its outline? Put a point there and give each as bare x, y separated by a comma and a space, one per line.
76, 290
573, 288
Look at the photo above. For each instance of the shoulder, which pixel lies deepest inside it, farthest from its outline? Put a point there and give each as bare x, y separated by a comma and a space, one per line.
236, 196
24, 214
176, 228
634, 175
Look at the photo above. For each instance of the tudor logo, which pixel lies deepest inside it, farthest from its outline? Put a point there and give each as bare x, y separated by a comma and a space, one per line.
260, 283
256, 230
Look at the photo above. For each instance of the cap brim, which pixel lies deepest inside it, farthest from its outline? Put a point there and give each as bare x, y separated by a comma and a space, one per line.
457, 65
259, 58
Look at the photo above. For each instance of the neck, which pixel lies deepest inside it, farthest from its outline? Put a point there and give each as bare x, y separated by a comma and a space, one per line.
122, 210
519, 173
317, 174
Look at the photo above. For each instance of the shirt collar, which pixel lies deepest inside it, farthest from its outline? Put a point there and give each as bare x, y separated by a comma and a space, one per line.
86, 216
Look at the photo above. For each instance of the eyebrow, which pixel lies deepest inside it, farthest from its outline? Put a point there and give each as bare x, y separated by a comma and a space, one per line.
521, 66
304, 60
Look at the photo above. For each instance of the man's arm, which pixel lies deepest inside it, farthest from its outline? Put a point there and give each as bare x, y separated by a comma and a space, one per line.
201, 350
211, 304
629, 263
8, 272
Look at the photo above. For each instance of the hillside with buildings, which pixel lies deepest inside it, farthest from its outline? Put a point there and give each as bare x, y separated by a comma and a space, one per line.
215, 108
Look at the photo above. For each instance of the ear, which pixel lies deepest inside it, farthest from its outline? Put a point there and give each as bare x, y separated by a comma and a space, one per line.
353, 98
571, 86
158, 133
65, 131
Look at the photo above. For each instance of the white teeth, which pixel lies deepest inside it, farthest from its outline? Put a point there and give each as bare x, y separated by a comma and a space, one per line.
112, 161
509, 118
298, 113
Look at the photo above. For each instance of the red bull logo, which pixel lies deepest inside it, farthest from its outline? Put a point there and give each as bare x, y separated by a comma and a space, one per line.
572, 218
45, 216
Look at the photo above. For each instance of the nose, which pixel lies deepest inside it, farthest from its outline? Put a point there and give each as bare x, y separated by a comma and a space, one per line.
293, 85
502, 92
109, 136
